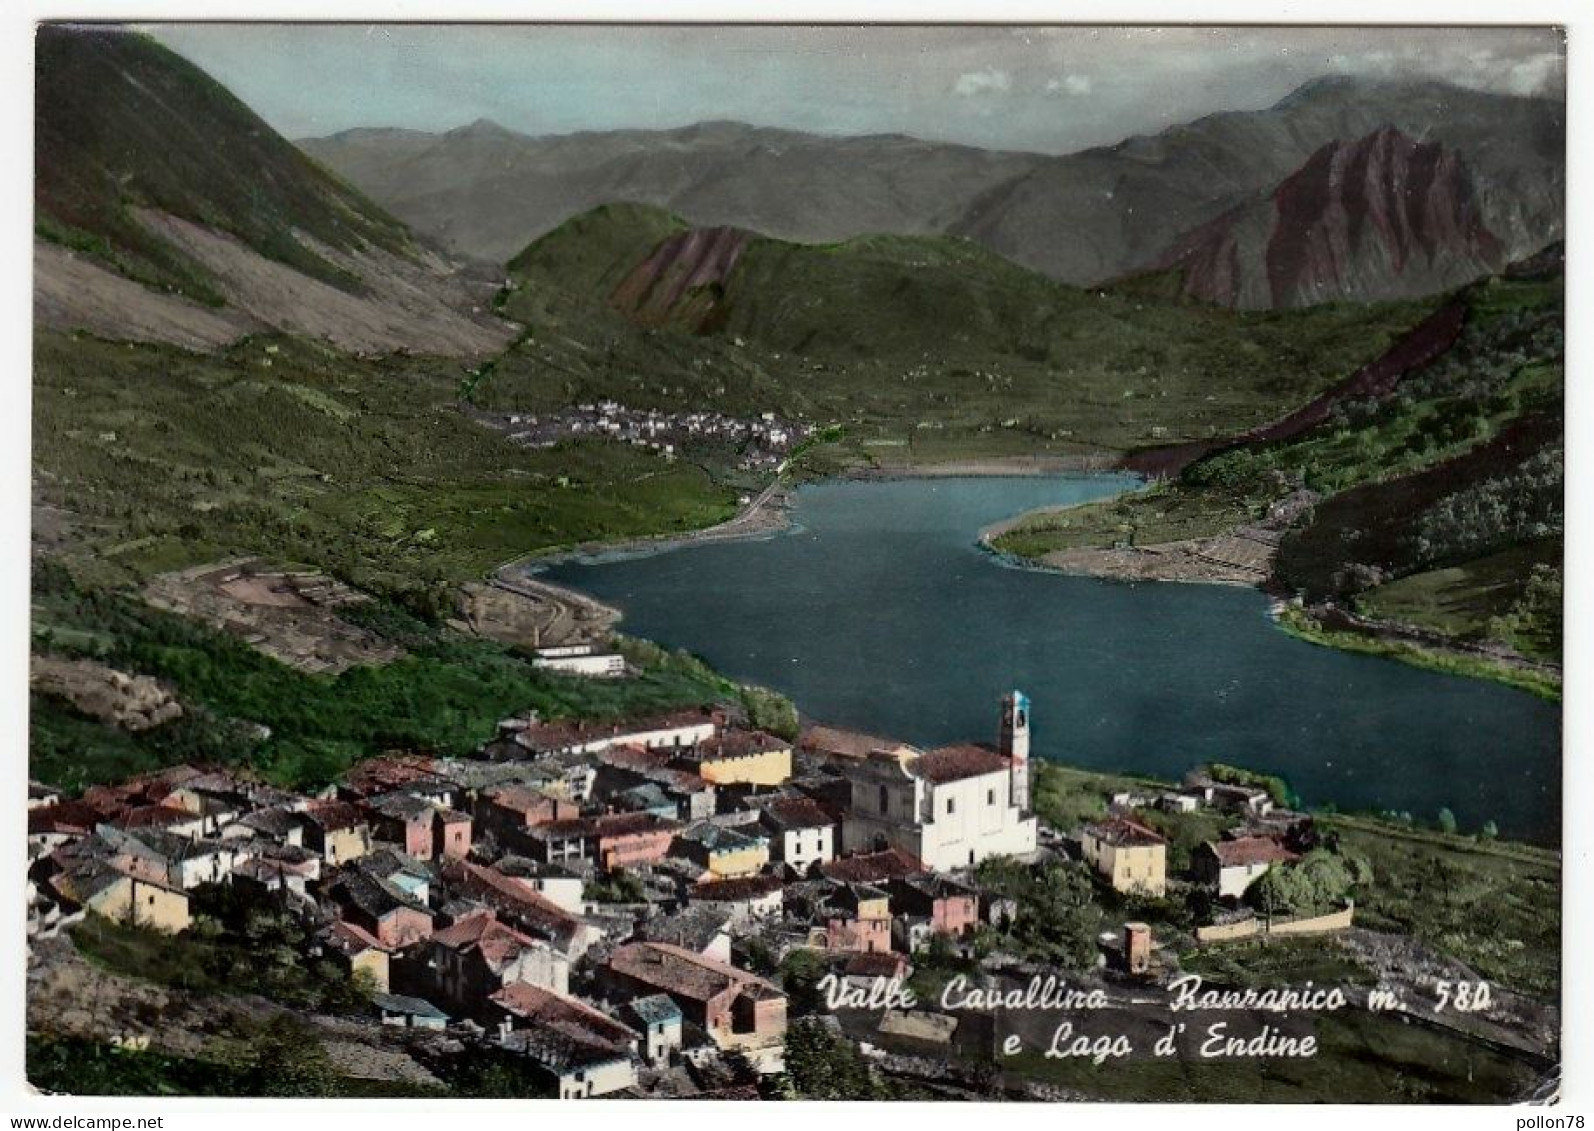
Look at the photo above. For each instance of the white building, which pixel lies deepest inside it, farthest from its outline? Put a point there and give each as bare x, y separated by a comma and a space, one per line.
951, 807
658, 1019
672, 731
581, 659
802, 833
1232, 866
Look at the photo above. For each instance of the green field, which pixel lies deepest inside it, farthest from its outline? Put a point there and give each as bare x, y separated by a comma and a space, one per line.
1546, 684
1514, 596
1494, 906
366, 469
445, 697
1161, 513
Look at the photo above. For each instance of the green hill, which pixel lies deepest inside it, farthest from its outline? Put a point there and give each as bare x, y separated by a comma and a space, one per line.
121, 123
931, 343
1437, 505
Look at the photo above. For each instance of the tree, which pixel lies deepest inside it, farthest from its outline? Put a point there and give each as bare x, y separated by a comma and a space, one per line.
1314, 885
1447, 821
619, 886
800, 973
1489, 831
289, 1060
822, 1065
1058, 918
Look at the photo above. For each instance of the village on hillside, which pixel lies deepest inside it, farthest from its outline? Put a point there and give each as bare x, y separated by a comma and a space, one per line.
620, 906
762, 443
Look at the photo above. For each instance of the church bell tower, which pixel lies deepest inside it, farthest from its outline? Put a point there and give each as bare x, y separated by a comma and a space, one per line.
1013, 742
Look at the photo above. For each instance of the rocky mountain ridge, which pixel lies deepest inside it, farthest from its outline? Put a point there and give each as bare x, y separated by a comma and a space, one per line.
1384, 212
1082, 218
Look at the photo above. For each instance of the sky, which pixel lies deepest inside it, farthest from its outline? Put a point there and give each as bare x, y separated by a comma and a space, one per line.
1051, 89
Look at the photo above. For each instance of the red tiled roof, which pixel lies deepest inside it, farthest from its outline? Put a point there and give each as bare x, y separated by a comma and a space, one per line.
331, 815
496, 942
154, 816
872, 867
798, 813
560, 733
736, 890
877, 964
67, 816
739, 744
640, 759
1123, 832
630, 824
350, 938
954, 763
518, 797
550, 1009
607, 825
676, 970
511, 898
838, 743
1250, 850
394, 771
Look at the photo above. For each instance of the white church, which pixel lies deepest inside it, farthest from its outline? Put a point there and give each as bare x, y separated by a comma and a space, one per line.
950, 807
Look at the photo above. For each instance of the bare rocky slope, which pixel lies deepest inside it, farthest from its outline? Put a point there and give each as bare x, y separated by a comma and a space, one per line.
167, 211
1383, 212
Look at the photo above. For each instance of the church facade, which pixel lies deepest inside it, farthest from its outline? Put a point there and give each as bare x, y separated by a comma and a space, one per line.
951, 807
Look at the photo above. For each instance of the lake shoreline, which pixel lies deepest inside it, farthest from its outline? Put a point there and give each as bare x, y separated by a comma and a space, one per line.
887, 576
990, 467
1194, 562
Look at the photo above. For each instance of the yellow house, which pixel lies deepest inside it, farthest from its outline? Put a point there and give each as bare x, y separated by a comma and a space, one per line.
338, 831
726, 853
356, 950
132, 899
1128, 855
743, 757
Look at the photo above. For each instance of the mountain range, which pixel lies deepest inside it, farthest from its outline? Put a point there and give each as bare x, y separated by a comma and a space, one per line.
1082, 218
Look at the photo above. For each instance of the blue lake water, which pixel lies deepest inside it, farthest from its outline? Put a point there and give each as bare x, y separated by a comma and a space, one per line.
879, 611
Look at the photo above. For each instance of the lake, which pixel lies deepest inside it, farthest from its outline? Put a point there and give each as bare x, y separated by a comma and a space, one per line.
879, 611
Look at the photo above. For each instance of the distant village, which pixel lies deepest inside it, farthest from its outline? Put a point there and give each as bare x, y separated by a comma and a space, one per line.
762, 443
587, 896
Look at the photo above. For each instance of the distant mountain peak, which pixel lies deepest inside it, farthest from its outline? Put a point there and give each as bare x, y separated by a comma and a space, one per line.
484, 128
1314, 89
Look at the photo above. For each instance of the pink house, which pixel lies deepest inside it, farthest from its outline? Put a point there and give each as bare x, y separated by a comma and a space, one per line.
949, 907
402, 820
381, 909
857, 917
452, 834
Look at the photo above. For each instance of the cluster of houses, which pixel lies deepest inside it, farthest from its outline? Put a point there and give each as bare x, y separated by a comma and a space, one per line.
581, 895
763, 441
1133, 857
590, 897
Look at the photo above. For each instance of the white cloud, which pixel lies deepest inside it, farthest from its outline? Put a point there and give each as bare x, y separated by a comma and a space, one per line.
971, 84
1484, 68
1541, 74
1077, 85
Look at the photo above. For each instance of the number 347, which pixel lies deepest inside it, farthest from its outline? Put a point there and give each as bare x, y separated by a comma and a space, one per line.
1463, 997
